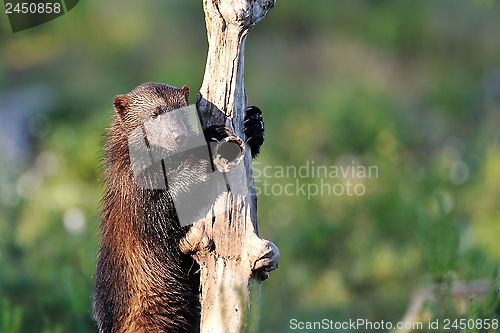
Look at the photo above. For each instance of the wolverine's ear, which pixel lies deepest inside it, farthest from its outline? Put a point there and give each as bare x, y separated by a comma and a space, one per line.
121, 104
185, 90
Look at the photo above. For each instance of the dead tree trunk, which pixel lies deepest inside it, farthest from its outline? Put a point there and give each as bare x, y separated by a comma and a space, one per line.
226, 244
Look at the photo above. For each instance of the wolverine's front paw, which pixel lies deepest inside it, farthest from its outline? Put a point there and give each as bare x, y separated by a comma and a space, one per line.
254, 129
216, 133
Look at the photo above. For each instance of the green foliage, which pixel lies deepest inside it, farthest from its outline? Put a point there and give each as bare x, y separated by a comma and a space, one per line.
439, 236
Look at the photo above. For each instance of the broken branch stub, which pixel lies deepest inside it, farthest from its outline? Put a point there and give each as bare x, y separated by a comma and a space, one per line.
227, 246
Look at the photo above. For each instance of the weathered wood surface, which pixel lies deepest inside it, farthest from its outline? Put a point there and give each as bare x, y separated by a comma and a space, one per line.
227, 245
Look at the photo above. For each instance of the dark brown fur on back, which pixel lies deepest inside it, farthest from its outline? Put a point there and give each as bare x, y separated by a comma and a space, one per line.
143, 281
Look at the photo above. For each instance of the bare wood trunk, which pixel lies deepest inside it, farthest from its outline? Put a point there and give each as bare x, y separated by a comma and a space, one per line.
227, 246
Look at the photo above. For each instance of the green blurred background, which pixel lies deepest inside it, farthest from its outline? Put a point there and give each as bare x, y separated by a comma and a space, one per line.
409, 86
